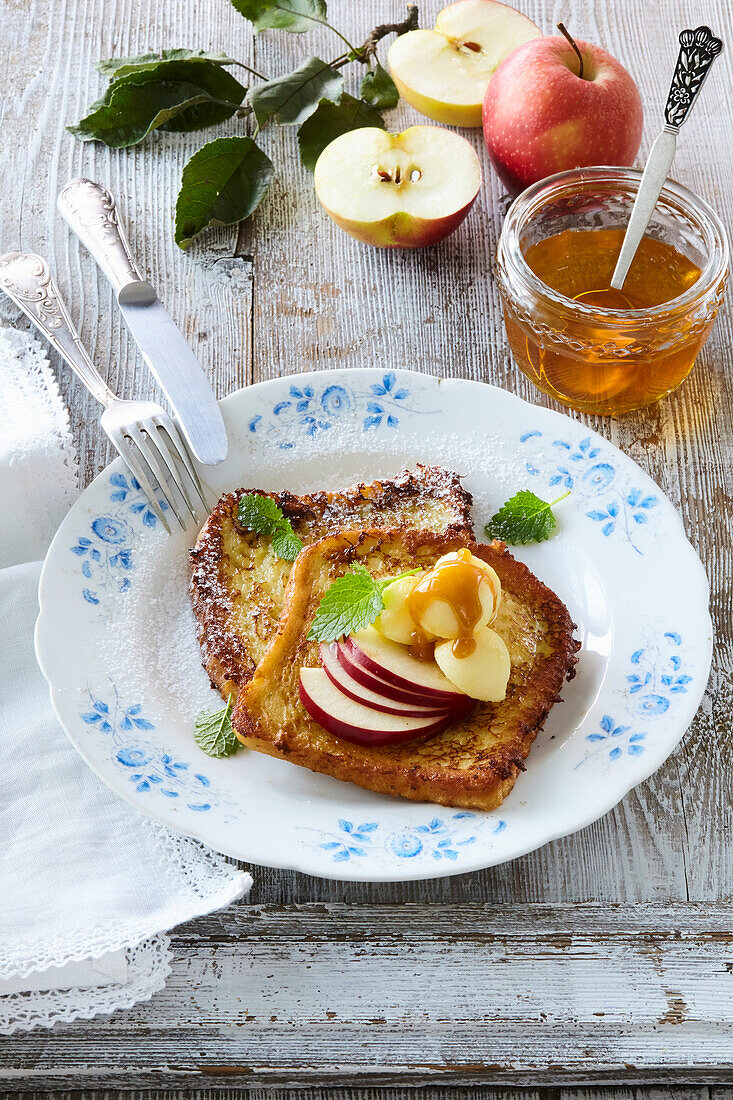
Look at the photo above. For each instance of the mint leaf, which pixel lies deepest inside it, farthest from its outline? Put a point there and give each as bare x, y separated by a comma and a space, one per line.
379, 89
177, 96
221, 184
115, 67
284, 15
524, 518
260, 514
286, 544
263, 516
293, 97
349, 604
213, 731
329, 121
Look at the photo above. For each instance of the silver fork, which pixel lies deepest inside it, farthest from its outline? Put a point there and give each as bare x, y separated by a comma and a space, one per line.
142, 432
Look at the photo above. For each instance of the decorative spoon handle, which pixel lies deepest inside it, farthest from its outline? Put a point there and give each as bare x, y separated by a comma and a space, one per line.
698, 50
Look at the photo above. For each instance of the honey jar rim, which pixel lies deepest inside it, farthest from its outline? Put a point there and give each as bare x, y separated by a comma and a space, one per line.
511, 262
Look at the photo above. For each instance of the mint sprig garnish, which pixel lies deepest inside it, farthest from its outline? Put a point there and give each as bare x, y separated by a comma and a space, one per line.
524, 518
262, 515
350, 603
213, 731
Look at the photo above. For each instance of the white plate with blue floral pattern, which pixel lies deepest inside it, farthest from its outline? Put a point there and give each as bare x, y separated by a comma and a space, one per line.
115, 636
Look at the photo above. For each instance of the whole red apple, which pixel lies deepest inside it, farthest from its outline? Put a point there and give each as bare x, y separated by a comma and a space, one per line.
540, 116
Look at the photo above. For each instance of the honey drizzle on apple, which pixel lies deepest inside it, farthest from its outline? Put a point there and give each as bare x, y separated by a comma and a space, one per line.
457, 583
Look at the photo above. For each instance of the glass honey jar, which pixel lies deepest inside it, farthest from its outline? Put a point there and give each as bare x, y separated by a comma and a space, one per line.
590, 347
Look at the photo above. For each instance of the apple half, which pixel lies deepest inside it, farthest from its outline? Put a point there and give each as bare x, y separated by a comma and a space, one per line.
444, 73
405, 190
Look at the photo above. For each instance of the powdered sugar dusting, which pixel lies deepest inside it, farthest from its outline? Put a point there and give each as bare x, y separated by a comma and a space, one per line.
152, 645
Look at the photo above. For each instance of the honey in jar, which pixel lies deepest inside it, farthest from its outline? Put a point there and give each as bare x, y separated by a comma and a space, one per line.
617, 359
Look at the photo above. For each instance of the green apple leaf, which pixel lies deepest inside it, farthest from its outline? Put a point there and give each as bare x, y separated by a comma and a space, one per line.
284, 15
221, 185
329, 121
379, 89
177, 96
294, 96
115, 67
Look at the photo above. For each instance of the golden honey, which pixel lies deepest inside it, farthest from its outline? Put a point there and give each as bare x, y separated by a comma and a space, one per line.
588, 346
579, 265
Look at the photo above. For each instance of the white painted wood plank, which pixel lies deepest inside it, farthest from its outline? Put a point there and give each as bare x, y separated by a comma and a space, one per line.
488, 995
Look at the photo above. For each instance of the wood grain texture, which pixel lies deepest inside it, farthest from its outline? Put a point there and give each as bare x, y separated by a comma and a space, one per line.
290, 292
430, 1092
339, 994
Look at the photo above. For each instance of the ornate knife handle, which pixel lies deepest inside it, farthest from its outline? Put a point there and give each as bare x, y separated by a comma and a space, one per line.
91, 211
27, 280
698, 50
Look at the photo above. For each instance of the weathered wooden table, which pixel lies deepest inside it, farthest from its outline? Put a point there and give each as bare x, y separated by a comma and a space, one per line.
606, 957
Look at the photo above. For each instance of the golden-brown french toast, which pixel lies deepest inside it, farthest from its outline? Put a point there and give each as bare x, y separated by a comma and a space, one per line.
474, 762
238, 583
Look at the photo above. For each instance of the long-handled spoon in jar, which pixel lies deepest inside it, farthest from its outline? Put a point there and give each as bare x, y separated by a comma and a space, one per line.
698, 50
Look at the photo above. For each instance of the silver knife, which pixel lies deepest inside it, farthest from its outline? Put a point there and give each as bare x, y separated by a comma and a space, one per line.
91, 212
698, 50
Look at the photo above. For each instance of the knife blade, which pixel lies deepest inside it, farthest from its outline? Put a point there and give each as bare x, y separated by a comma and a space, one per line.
91, 212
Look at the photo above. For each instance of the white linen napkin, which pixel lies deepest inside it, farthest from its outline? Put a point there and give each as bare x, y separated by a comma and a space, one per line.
88, 887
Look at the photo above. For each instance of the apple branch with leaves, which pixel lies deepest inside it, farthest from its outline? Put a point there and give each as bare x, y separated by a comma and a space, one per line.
182, 90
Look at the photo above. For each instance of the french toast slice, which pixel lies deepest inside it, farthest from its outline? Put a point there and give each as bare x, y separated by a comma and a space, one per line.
473, 763
238, 583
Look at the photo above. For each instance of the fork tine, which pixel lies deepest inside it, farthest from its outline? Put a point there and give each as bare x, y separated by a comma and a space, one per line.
181, 451
128, 450
140, 436
152, 431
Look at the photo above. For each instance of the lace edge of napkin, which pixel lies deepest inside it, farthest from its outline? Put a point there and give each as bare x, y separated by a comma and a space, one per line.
201, 881
33, 361
148, 966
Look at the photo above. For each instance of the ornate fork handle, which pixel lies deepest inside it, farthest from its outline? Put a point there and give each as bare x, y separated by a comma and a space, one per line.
698, 50
91, 212
27, 280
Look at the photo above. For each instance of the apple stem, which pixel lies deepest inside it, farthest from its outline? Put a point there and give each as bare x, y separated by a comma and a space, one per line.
566, 34
369, 47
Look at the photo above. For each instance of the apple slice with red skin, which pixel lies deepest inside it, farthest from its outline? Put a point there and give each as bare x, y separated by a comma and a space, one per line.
338, 714
372, 696
460, 706
394, 664
357, 672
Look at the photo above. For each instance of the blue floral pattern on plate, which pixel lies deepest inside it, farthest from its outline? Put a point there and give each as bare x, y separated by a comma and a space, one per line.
656, 678
438, 839
309, 410
142, 762
107, 548
581, 467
